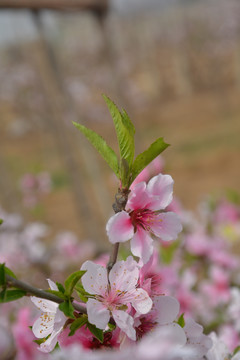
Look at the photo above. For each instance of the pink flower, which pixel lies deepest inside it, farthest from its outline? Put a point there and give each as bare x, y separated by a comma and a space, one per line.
84, 337
144, 216
23, 336
217, 289
163, 315
113, 295
196, 339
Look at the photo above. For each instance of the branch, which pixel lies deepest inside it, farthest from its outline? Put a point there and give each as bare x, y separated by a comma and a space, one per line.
121, 199
40, 293
63, 5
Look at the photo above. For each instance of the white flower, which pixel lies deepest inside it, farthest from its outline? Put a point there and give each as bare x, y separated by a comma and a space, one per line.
113, 294
51, 321
196, 339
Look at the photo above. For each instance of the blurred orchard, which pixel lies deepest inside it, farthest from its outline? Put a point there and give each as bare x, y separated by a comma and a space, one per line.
175, 67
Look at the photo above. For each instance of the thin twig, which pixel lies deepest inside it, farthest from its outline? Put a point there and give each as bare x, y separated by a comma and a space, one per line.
31, 290
120, 202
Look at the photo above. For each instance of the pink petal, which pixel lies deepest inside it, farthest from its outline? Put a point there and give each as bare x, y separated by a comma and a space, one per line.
141, 245
95, 280
124, 275
119, 227
142, 303
138, 198
167, 309
167, 227
161, 187
98, 314
125, 322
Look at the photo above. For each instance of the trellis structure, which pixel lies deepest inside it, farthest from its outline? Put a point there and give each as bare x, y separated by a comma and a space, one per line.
58, 102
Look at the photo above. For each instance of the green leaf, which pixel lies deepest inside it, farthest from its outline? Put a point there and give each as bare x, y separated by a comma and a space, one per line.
181, 320
143, 159
2, 295
124, 130
57, 293
2, 275
10, 272
67, 308
83, 295
72, 280
236, 350
167, 252
1, 221
127, 122
98, 333
101, 146
60, 287
11, 295
79, 322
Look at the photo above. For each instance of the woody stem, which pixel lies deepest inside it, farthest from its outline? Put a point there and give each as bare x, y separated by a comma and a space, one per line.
120, 202
31, 290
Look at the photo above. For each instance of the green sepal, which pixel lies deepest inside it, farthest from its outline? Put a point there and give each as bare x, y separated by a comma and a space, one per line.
78, 323
101, 146
41, 341
111, 326
143, 159
67, 308
60, 287
1, 221
72, 280
124, 130
11, 295
181, 320
98, 333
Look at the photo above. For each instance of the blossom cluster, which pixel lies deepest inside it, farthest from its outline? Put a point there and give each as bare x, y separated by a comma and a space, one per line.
144, 307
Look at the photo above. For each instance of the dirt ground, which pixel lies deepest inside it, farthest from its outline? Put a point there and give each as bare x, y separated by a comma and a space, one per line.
203, 158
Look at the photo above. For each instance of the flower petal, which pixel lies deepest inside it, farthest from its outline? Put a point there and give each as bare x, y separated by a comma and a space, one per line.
167, 227
142, 245
141, 302
119, 227
43, 326
52, 285
138, 198
161, 187
98, 314
46, 306
95, 280
124, 275
50, 343
167, 309
125, 322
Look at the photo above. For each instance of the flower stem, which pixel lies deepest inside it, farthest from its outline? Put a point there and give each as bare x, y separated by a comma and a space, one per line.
31, 290
121, 199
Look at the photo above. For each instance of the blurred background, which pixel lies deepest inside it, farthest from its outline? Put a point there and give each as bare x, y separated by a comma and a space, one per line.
173, 65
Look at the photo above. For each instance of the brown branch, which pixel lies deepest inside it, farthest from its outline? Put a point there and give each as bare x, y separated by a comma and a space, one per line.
62, 5
121, 199
31, 290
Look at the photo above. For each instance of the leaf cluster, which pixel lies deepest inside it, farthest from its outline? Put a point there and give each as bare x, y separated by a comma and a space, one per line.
6, 294
125, 168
